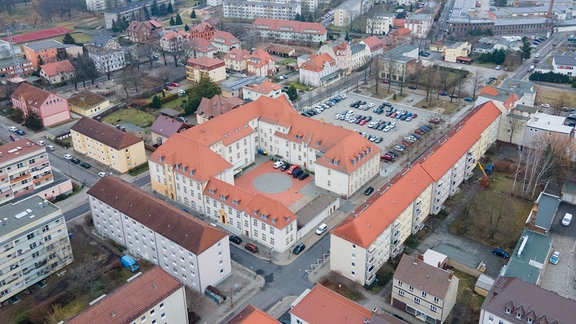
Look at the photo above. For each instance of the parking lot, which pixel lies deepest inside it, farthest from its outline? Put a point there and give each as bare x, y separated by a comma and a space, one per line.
385, 138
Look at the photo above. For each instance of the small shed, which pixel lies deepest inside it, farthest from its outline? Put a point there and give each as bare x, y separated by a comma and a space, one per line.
569, 192
435, 259
132, 129
483, 285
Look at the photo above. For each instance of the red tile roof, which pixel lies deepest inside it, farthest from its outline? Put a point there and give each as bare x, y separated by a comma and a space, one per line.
252, 315
422, 276
53, 69
15, 150
259, 58
348, 153
237, 54
33, 96
201, 45
289, 25
204, 61
367, 226
105, 134
166, 126
226, 38
130, 301
217, 105
489, 90
322, 305
374, 43
265, 87
316, 62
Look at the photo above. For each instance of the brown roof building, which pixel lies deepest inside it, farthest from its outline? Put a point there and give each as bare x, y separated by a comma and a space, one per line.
57, 72
144, 31
216, 106
156, 231
88, 103
164, 127
203, 30
155, 295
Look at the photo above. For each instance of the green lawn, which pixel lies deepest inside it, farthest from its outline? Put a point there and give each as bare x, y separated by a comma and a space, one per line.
130, 115
80, 38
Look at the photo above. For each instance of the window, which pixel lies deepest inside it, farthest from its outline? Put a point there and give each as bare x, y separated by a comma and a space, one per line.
436, 299
417, 300
400, 292
162, 306
411, 288
433, 308
490, 318
400, 283
423, 294
518, 315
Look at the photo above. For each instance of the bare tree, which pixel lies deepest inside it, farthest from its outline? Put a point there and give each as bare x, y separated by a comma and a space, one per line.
377, 71
475, 85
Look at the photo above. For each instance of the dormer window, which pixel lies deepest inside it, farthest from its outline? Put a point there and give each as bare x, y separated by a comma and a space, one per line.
212, 191
518, 315
530, 321
508, 310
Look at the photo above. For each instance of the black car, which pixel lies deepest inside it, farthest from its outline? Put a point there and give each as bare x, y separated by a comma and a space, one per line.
297, 173
235, 239
299, 248
75, 160
85, 165
368, 191
285, 167
412, 87
303, 176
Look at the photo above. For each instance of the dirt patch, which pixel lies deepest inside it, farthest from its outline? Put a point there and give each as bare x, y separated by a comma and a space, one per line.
343, 286
557, 97
441, 105
468, 303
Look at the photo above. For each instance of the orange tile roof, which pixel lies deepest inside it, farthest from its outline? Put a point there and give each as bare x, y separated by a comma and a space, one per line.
31, 95
224, 38
290, 25
52, 69
349, 153
217, 105
237, 54
130, 301
373, 42
259, 58
316, 62
368, 225
227, 193
192, 161
201, 45
252, 315
204, 61
322, 305
201, 27
264, 87
15, 150
489, 90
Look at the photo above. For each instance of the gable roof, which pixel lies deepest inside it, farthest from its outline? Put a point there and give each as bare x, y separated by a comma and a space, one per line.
86, 99
166, 126
185, 230
265, 87
422, 276
217, 105
368, 225
101, 40
259, 58
130, 301
316, 62
516, 294
201, 45
237, 54
201, 27
322, 305
252, 315
33, 96
204, 61
348, 153
55, 68
223, 37
373, 42
105, 134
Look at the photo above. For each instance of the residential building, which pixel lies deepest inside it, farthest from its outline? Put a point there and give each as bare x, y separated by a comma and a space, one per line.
342, 54
214, 68
319, 69
154, 296
360, 55
266, 88
374, 233
378, 25
252, 315
8, 51
512, 300
399, 63
260, 63
147, 31
101, 5
375, 45
43, 52
419, 24
173, 41
569, 192
253, 9
88, 103
236, 59
281, 50
58, 72
18, 67
346, 12
564, 64
289, 30
530, 257
35, 244
425, 291
203, 30
130, 11
334, 307
164, 127
452, 51
49, 106
107, 54
216, 106
190, 250
199, 47
543, 212
224, 41
542, 126
24, 167
107, 145
233, 86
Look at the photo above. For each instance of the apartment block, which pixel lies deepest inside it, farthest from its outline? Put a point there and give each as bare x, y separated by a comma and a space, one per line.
253, 9
34, 243
214, 68
289, 30
154, 297
266, 88
43, 52
195, 253
107, 54
379, 25
108, 145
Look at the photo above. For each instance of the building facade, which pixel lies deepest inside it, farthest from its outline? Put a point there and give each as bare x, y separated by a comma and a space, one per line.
260, 63
213, 68
266, 88
88, 103
107, 54
236, 59
224, 41
43, 52
130, 11
419, 24
379, 25
35, 244
193, 252
108, 145
49, 106
58, 72
15, 67
399, 63
253, 9
144, 31
289, 30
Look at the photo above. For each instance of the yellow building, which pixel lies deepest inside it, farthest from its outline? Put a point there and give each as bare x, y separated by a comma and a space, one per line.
110, 146
88, 103
454, 50
212, 67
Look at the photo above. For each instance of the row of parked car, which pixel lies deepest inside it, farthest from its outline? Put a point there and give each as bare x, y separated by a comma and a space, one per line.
400, 114
323, 106
391, 155
294, 170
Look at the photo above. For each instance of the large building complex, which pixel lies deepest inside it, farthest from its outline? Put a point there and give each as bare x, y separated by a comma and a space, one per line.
252, 9
369, 237
195, 253
202, 177
153, 296
33, 244
290, 30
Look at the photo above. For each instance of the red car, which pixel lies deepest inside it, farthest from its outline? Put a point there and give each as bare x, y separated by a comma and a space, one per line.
251, 247
419, 132
174, 84
168, 87
386, 157
434, 120
362, 122
414, 116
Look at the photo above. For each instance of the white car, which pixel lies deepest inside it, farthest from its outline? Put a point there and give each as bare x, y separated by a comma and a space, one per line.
41, 143
68, 156
567, 219
50, 148
101, 174
321, 229
12, 129
278, 164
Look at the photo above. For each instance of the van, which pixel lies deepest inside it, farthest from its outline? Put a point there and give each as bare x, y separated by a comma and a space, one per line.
567, 219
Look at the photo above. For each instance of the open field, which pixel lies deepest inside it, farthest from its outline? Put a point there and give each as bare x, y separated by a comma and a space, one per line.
130, 115
556, 96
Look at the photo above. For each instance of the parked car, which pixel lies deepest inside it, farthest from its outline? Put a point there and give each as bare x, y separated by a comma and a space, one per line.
41, 143
368, 191
299, 248
434, 120
101, 174
278, 164
555, 257
296, 173
501, 252
443, 93
251, 247
321, 229
68, 156
303, 176
12, 129
85, 165
174, 84
469, 99
20, 132
50, 148
284, 167
75, 160
235, 239
567, 219
293, 168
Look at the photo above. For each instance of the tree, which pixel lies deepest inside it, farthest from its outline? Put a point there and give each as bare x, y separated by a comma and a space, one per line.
146, 13
347, 37
68, 39
156, 102
186, 27
178, 20
500, 3
154, 9
292, 92
172, 21
15, 114
526, 49
33, 121
193, 14
205, 88
169, 8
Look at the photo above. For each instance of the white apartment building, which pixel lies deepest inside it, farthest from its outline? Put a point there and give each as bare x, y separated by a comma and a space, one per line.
154, 297
266, 88
290, 30
130, 11
254, 9
319, 69
360, 55
349, 10
379, 25
34, 244
193, 252
419, 24
371, 235
107, 54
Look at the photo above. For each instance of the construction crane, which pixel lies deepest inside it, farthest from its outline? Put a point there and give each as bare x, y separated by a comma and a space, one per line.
485, 180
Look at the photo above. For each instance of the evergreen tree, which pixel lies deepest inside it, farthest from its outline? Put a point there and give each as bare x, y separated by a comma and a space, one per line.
298, 17
292, 92
169, 8
525, 49
114, 27
193, 14
162, 9
347, 38
156, 102
146, 13
33, 121
171, 21
154, 9
68, 39
206, 88
178, 20
186, 27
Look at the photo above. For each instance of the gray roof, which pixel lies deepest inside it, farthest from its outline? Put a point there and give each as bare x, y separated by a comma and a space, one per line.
235, 84
399, 53
12, 62
358, 47
530, 300
528, 109
569, 187
519, 21
433, 280
485, 282
130, 6
547, 207
348, 5
528, 266
564, 59
100, 40
166, 126
45, 45
518, 86
25, 212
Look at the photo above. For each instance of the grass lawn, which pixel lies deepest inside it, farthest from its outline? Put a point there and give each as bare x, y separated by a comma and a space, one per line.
300, 86
468, 303
287, 61
448, 108
556, 97
496, 217
130, 115
80, 38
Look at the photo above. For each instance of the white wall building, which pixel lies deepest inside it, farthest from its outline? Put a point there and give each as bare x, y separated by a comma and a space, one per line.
379, 25
290, 30
419, 24
107, 54
252, 9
